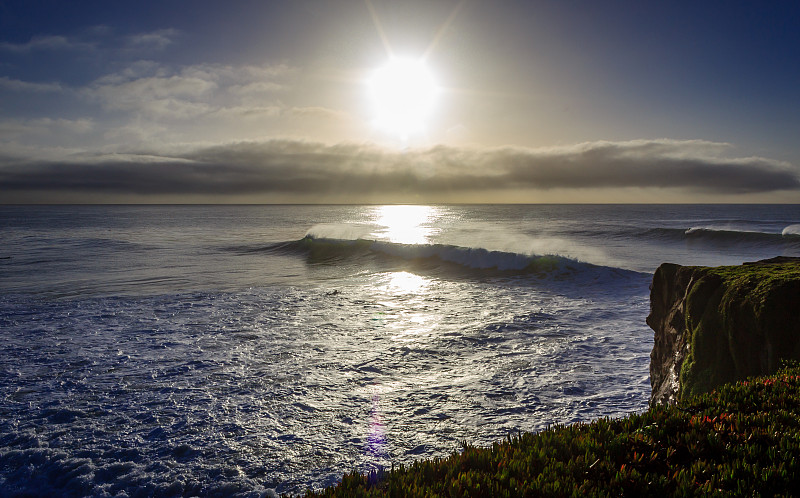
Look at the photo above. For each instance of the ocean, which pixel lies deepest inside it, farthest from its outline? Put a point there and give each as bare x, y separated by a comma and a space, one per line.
255, 350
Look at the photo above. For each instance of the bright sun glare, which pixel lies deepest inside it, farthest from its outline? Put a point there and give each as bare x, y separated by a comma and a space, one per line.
403, 94
406, 224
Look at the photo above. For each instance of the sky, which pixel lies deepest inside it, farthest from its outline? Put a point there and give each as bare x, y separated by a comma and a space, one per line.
378, 101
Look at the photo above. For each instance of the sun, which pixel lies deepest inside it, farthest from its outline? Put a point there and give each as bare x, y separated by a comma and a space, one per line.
403, 93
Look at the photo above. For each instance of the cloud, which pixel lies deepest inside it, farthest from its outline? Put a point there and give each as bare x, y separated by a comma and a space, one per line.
44, 126
46, 43
255, 89
298, 167
319, 112
694, 164
139, 92
248, 112
160, 91
7, 83
99, 37
154, 40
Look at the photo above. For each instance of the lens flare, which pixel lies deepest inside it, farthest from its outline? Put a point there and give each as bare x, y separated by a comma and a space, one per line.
376, 441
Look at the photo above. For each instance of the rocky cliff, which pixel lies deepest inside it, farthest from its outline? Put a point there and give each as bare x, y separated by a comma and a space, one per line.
715, 325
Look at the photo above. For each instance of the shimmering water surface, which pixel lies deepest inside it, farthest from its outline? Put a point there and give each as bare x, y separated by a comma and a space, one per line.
253, 350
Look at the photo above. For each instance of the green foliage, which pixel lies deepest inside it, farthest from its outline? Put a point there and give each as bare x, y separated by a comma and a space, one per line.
741, 439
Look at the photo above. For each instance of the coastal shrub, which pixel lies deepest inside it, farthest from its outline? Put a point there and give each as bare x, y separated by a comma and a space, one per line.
742, 439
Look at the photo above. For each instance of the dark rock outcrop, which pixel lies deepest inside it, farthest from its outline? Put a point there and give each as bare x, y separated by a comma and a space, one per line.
667, 303
718, 325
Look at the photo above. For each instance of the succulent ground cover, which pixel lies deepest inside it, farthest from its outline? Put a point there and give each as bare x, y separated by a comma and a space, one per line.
741, 439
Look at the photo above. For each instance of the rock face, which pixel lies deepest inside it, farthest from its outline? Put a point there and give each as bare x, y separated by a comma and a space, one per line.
667, 304
719, 325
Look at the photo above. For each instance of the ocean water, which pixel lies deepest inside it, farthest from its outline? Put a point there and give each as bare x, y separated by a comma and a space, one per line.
254, 350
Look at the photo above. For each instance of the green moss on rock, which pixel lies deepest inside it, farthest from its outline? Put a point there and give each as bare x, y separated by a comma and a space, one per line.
740, 321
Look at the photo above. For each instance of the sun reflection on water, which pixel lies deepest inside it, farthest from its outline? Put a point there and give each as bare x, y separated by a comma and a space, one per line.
403, 282
407, 313
406, 224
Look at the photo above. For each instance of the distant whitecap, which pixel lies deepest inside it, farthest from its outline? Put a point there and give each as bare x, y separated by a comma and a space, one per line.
791, 230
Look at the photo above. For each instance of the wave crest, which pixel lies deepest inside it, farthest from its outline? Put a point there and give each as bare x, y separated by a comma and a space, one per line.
733, 235
791, 231
446, 257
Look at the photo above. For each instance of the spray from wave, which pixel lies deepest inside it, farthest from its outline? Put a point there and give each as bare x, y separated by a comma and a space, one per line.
319, 246
791, 231
483, 248
340, 231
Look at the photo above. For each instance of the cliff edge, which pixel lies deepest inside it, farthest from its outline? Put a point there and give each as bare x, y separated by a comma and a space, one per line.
716, 325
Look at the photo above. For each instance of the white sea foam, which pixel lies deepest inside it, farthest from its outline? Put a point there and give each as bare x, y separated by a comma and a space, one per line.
294, 373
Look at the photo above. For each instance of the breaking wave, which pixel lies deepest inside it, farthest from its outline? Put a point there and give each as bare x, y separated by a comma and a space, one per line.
727, 236
444, 257
791, 231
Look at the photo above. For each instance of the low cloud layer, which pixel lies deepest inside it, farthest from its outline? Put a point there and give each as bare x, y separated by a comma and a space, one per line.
307, 168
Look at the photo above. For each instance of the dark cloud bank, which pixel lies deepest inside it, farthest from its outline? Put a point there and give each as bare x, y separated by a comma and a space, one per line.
303, 168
